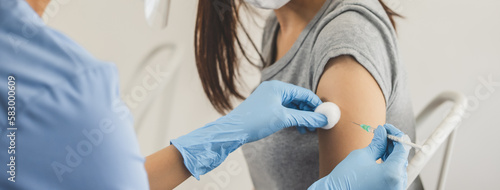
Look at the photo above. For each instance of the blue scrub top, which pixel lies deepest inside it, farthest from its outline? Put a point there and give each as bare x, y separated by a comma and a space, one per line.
71, 129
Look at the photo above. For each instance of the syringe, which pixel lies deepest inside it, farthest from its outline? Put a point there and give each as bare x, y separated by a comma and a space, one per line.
392, 137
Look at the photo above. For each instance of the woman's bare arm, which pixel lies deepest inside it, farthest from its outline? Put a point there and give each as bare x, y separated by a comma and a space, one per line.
349, 85
166, 169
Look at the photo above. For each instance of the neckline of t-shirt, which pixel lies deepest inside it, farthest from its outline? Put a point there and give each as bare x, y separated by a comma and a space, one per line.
278, 65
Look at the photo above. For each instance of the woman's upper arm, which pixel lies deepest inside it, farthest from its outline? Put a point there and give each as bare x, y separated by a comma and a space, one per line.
348, 84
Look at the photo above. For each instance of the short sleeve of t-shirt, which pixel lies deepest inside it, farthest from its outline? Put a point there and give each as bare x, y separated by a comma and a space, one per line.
358, 31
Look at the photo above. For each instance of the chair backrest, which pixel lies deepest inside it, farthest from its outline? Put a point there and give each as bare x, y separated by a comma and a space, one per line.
446, 128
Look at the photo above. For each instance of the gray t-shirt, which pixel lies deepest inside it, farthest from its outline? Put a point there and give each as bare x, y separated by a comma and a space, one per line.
289, 160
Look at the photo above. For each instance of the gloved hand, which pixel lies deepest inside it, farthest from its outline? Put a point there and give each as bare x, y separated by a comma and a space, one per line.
271, 107
359, 170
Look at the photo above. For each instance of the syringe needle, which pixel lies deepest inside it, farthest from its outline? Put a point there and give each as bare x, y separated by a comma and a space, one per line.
356, 123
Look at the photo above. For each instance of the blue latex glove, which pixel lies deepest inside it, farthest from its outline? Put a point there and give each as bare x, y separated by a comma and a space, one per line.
271, 107
360, 170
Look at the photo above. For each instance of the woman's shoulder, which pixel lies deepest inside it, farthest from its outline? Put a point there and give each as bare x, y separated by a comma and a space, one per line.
372, 6
355, 16
362, 30
358, 25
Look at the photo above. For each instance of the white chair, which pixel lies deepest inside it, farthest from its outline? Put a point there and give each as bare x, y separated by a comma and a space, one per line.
446, 129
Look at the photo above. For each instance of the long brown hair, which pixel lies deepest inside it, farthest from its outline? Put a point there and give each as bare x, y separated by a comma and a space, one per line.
217, 46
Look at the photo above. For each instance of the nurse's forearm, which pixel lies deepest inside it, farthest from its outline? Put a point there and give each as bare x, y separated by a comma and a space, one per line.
166, 169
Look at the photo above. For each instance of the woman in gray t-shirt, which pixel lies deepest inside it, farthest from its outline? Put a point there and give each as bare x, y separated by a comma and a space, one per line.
344, 50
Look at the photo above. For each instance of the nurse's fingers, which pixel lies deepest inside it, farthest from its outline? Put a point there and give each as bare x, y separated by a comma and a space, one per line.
378, 146
296, 94
301, 118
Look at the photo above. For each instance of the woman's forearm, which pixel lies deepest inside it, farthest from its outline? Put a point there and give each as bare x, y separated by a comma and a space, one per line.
166, 169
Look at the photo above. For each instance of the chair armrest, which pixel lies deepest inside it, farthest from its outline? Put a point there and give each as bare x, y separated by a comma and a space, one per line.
440, 134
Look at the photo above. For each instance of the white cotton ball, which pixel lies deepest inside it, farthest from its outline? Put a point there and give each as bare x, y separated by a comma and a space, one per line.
331, 111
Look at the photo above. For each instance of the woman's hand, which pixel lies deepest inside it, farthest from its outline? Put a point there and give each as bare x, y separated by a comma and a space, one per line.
271, 107
361, 171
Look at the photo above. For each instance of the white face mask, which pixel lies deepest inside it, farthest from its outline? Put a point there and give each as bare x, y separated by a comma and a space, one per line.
157, 12
268, 4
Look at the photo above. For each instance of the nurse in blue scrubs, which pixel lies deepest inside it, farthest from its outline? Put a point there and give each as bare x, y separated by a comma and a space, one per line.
64, 126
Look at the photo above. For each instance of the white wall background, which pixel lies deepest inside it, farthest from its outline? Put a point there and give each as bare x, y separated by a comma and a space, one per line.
451, 45
446, 45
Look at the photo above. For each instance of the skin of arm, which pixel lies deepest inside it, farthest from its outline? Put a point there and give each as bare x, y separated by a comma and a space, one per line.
348, 84
166, 169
